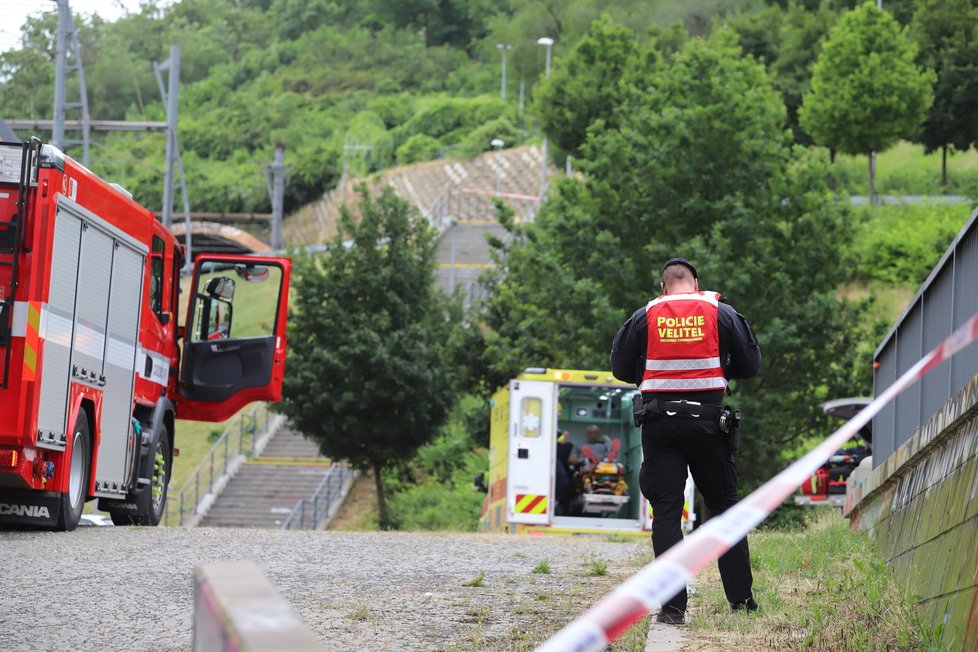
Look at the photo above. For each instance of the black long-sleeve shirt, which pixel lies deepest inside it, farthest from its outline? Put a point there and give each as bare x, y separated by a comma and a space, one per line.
740, 355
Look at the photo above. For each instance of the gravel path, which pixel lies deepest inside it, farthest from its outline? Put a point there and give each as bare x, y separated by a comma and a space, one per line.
108, 588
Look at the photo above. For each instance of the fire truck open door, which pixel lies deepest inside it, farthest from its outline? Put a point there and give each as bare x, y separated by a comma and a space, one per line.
234, 341
532, 452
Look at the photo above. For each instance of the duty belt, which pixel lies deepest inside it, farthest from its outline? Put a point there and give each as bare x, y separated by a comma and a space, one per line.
643, 408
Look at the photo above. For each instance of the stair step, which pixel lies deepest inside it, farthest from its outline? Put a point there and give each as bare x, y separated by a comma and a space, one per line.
265, 490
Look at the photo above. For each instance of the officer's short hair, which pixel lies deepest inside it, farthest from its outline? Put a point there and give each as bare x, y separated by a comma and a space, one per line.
678, 264
677, 273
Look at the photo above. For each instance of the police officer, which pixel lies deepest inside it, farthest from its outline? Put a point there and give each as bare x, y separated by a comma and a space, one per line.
680, 349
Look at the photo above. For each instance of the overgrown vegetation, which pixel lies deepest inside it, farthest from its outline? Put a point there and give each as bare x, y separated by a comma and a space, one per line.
825, 588
901, 244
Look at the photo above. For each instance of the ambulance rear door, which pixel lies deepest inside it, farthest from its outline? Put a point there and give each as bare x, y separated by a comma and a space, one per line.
532, 452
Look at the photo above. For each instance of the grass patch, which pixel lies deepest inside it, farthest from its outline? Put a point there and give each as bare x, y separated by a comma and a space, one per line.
634, 639
889, 300
542, 567
904, 169
361, 613
595, 568
477, 581
825, 588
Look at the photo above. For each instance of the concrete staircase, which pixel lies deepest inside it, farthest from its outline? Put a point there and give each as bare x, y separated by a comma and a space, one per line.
265, 489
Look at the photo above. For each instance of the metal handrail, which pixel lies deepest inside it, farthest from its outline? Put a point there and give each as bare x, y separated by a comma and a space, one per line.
331, 489
228, 447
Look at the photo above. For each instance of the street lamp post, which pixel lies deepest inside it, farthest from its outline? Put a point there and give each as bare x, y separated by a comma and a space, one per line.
498, 146
548, 43
502, 86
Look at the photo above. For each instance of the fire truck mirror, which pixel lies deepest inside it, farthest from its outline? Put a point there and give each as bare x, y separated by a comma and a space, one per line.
220, 287
213, 319
252, 273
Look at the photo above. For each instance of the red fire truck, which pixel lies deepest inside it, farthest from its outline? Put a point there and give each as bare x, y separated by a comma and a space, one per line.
93, 375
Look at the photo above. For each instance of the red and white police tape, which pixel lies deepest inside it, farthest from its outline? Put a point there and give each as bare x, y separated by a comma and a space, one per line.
665, 576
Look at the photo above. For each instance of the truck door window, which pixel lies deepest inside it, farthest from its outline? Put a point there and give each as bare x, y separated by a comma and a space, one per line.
156, 276
531, 417
235, 301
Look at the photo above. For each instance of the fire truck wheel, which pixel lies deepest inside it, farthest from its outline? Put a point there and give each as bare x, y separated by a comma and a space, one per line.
153, 501
73, 500
162, 463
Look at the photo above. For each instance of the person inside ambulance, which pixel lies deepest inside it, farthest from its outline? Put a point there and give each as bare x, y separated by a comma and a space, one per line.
598, 443
567, 478
680, 349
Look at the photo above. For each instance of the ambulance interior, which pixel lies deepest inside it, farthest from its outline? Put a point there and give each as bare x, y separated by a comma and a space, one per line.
610, 409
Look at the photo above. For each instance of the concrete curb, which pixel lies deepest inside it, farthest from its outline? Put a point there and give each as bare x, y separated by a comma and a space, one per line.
236, 608
665, 638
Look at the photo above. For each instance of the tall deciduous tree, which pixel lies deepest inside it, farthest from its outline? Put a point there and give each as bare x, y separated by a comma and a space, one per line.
368, 363
947, 33
786, 39
699, 166
585, 86
867, 90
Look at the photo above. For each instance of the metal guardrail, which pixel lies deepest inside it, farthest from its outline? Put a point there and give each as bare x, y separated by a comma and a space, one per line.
238, 439
308, 513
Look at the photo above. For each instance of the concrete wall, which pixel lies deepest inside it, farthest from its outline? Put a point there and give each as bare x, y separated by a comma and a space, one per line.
920, 506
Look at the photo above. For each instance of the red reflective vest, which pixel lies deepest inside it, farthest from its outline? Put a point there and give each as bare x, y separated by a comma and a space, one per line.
683, 351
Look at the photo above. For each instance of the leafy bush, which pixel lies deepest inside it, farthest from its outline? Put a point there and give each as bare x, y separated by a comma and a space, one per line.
419, 147
901, 244
478, 140
435, 490
450, 118
452, 505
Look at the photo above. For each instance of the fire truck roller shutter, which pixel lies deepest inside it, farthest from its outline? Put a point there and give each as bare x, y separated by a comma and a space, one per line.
116, 451
56, 365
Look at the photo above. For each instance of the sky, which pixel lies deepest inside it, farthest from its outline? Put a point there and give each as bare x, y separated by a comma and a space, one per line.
14, 13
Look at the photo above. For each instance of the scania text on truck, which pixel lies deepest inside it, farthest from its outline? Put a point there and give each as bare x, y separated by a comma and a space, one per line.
93, 375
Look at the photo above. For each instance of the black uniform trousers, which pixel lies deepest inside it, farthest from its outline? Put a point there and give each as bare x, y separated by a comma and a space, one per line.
670, 444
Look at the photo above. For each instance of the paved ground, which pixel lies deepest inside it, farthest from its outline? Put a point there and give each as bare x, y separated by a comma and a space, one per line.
110, 588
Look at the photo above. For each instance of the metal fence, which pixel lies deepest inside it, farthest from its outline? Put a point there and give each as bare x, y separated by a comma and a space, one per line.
455, 203
238, 440
309, 513
947, 298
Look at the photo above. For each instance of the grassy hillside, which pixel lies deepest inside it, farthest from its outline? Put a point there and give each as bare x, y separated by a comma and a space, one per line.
906, 170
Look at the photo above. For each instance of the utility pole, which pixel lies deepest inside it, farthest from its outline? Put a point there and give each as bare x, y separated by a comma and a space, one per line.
275, 180
68, 36
174, 164
548, 43
502, 87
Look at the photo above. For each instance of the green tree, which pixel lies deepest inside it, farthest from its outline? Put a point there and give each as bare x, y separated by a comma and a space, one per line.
368, 377
947, 33
786, 39
584, 87
442, 22
901, 10
699, 166
867, 91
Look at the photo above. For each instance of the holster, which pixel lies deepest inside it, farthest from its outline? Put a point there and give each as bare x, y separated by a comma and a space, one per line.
729, 420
